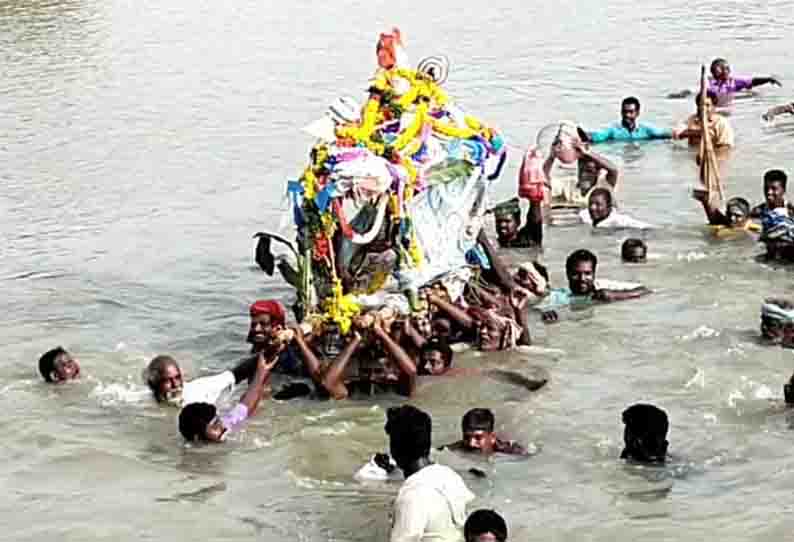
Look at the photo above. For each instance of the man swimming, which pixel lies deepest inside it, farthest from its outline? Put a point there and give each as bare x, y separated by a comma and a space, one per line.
58, 365
200, 421
629, 129
479, 437
165, 379
601, 213
645, 434
580, 268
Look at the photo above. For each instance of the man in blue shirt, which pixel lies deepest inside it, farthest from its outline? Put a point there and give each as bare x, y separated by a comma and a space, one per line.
629, 129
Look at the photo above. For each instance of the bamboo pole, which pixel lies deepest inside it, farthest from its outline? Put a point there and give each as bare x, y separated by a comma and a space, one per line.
709, 165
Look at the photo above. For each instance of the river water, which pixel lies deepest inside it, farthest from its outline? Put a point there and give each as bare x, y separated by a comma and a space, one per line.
142, 143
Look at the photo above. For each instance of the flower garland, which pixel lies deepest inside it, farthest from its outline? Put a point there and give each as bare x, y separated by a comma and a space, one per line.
341, 308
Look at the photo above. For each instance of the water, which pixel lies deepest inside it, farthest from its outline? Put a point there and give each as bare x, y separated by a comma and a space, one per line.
142, 144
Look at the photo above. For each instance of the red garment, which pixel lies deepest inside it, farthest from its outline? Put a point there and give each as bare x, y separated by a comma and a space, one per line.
273, 308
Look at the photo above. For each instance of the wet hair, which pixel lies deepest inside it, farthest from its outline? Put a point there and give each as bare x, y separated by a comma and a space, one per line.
631, 100
711, 95
194, 419
410, 431
628, 247
485, 521
601, 191
645, 433
742, 203
716, 62
153, 373
478, 419
436, 344
581, 255
776, 176
47, 362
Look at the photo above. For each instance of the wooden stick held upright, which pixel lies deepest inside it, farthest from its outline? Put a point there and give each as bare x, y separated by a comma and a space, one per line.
709, 166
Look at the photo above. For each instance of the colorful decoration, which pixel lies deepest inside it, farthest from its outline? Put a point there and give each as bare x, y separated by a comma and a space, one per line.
407, 127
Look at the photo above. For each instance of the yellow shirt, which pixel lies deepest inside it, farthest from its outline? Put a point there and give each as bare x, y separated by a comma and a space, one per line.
719, 128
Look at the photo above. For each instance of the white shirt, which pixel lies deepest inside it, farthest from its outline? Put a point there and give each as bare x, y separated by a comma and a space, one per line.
615, 220
207, 389
431, 507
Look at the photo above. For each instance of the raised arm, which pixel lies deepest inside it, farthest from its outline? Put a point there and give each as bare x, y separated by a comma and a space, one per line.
256, 388
334, 379
713, 214
453, 311
758, 81
613, 172
310, 360
399, 356
497, 265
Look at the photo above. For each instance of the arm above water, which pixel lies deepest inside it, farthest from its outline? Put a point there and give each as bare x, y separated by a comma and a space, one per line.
334, 379
609, 296
253, 394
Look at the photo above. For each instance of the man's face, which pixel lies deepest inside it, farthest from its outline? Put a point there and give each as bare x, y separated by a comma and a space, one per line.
599, 208
506, 227
442, 328
483, 537
490, 336
735, 215
775, 194
636, 255
422, 324
261, 330
524, 279
629, 113
215, 431
721, 71
171, 383
478, 440
581, 278
66, 367
433, 363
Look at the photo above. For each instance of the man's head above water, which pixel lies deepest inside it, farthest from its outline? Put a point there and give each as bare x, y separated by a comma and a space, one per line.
477, 427
164, 377
267, 318
645, 434
410, 431
507, 216
435, 357
630, 112
634, 251
200, 422
580, 268
599, 204
775, 181
485, 526
58, 365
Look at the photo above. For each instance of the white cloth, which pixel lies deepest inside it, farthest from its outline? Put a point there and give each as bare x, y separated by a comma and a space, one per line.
207, 389
431, 507
615, 220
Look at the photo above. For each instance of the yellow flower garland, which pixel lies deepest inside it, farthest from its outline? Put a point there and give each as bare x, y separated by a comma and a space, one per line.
341, 308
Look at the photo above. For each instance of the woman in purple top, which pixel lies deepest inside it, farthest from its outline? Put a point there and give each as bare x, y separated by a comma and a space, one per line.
200, 421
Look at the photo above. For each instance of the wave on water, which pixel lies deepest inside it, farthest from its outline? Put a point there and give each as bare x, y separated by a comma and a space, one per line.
117, 393
701, 332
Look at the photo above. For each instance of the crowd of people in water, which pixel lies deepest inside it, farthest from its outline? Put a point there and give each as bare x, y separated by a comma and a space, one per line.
385, 352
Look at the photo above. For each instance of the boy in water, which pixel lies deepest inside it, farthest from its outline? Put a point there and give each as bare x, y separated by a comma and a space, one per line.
58, 365
201, 422
735, 217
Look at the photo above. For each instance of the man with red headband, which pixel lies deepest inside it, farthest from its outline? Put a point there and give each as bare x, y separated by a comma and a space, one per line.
268, 333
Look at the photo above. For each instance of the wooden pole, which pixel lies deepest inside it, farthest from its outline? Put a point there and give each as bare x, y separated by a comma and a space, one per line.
709, 165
